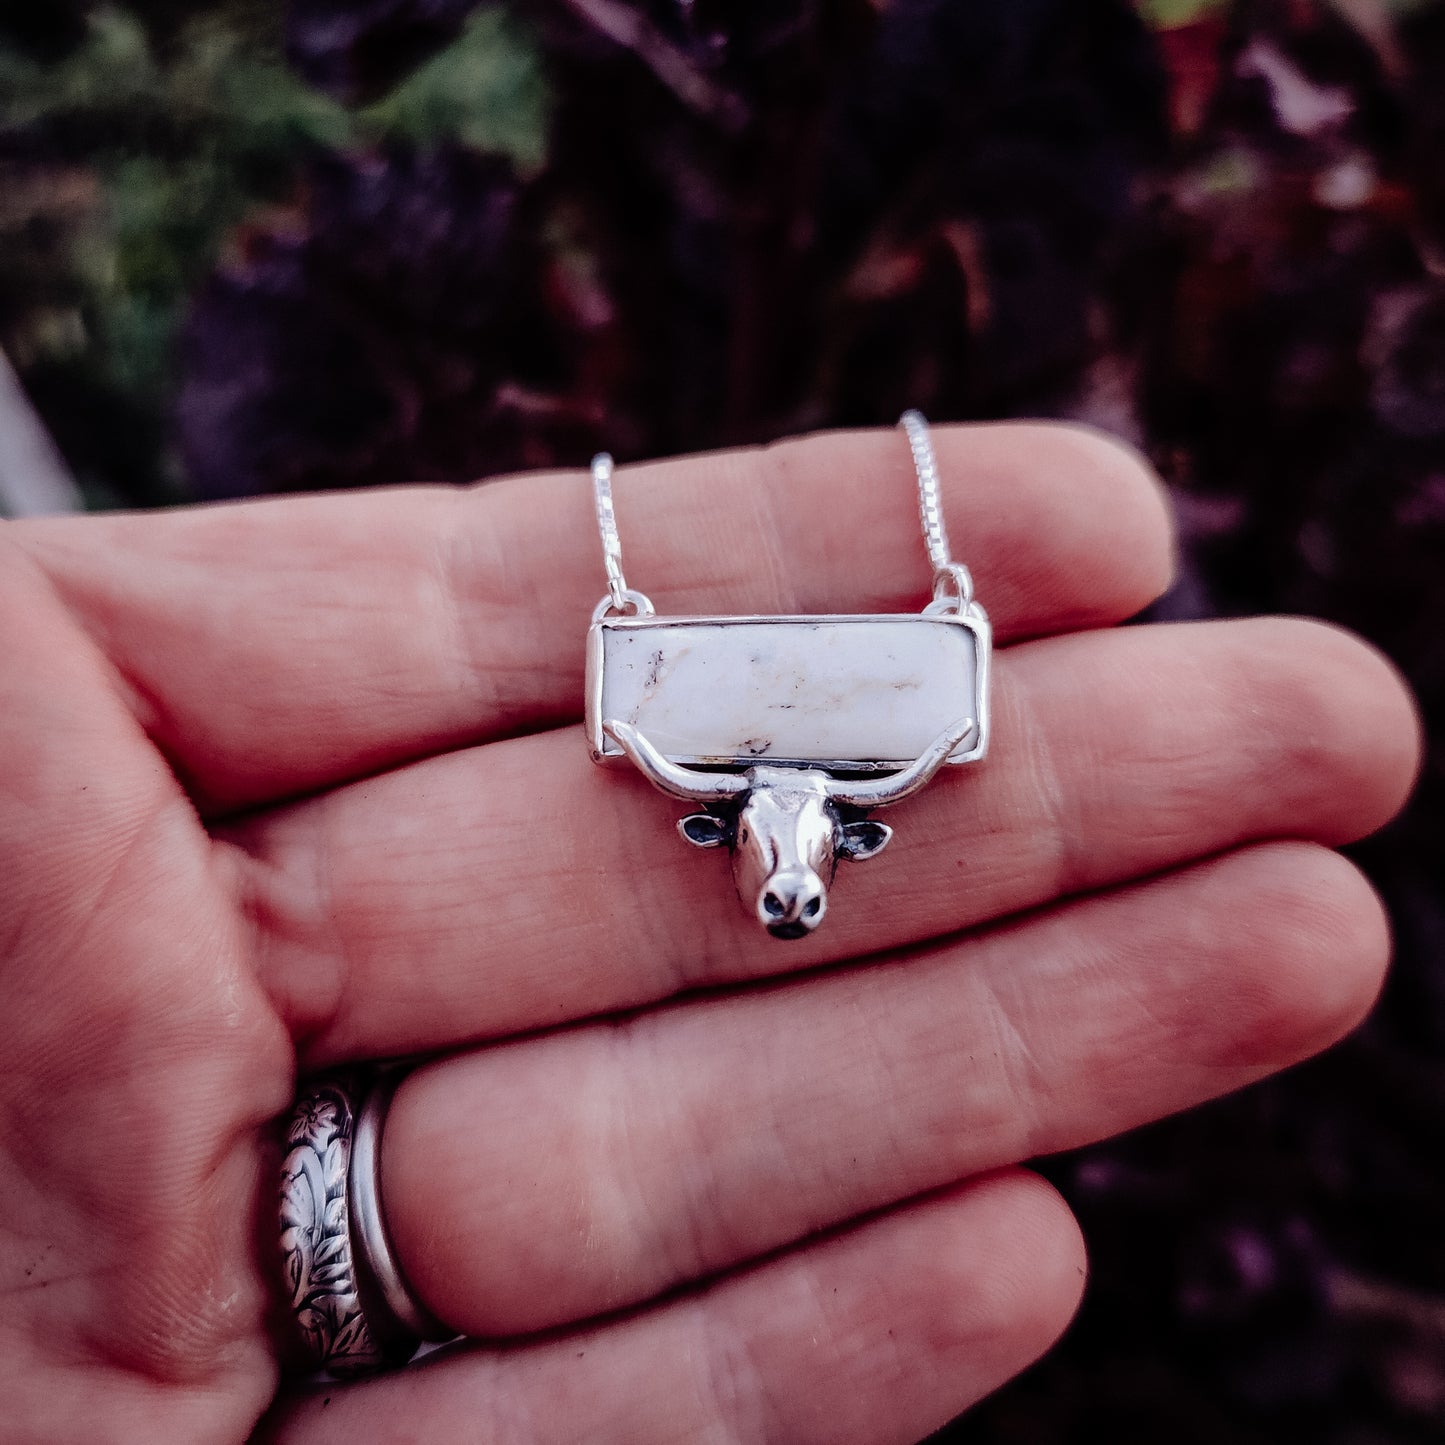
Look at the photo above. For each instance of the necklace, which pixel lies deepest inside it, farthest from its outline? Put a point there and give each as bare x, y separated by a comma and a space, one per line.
786, 731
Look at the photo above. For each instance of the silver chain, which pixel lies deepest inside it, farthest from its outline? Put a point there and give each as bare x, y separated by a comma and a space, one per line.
952, 583
951, 580
607, 526
930, 504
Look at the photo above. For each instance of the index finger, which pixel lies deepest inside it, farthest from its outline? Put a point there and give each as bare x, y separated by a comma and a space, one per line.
278, 647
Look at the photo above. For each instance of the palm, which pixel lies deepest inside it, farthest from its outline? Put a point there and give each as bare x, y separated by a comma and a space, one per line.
297, 788
142, 1062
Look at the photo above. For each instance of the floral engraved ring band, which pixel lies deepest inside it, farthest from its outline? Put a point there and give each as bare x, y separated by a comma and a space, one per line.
354, 1311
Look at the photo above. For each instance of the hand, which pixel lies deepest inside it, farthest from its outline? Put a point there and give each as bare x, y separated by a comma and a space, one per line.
298, 782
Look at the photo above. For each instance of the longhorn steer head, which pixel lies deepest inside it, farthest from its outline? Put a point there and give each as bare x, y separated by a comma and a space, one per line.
786, 826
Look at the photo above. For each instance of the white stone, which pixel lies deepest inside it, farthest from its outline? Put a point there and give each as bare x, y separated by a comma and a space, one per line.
870, 691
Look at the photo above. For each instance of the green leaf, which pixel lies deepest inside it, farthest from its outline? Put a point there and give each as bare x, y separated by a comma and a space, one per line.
485, 90
1170, 14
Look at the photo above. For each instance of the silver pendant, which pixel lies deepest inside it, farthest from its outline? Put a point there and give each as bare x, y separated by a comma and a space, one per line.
786, 731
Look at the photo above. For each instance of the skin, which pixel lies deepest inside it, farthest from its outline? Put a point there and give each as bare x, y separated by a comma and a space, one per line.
299, 782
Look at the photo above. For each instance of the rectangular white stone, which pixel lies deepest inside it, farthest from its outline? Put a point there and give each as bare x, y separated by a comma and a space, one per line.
865, 692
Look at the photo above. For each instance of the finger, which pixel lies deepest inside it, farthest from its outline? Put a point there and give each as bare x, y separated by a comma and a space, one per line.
541, 1182
877, 1336
284, 645
518, 886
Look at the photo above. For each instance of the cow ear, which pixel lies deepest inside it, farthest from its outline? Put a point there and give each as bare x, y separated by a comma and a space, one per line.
703, 830
863, 840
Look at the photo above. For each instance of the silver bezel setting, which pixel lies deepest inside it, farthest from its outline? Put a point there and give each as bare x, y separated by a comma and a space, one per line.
974, 748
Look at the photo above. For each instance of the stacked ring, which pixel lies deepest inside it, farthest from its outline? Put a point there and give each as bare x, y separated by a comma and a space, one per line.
353, 1308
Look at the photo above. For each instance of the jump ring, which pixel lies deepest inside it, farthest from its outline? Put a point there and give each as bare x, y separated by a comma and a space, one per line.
632, 603
953, 587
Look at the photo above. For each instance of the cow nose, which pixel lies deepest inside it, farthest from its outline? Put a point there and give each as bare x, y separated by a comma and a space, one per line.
793, 904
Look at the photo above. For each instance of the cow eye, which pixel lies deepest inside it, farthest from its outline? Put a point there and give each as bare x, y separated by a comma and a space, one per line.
703, 830
863, 840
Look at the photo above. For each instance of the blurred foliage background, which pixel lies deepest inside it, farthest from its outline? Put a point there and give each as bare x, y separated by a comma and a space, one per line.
251, 247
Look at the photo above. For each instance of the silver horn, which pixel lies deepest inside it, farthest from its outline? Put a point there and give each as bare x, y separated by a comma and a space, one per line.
685, 783
879, 792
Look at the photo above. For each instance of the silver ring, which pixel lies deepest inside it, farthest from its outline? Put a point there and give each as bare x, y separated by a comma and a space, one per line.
353, 1308
376, 1260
